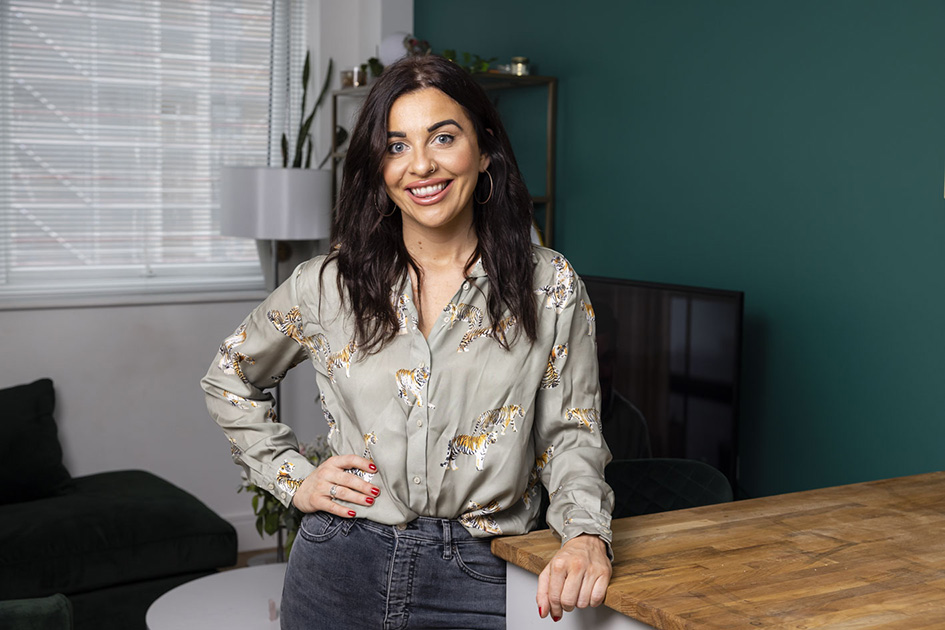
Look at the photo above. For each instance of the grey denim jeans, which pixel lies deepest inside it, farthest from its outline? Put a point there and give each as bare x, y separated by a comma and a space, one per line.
354, 573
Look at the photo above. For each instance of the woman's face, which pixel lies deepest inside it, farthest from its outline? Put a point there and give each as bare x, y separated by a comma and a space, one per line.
432, 161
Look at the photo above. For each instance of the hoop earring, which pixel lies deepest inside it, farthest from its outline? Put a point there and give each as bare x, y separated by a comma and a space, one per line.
384, 216
491, 190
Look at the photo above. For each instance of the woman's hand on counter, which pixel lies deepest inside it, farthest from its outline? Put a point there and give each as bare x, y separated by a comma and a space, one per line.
576, 577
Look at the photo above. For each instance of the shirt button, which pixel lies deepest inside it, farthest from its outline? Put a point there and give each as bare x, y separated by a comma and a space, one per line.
419, 423
465, 286
283, 495
416, 480
271, 486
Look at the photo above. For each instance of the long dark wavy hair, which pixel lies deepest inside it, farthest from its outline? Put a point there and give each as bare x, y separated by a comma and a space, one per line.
367, 239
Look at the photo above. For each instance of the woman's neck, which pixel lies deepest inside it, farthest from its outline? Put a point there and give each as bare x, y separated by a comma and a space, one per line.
434, 250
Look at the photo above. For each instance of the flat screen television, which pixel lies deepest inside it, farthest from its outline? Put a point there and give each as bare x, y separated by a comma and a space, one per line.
670, 360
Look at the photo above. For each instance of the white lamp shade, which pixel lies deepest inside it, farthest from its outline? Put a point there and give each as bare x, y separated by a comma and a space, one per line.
275, 204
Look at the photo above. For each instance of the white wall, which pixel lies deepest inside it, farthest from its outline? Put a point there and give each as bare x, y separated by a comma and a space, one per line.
127, 377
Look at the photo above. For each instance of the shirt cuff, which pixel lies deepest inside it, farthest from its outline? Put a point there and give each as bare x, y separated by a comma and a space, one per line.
285, 480
578, 521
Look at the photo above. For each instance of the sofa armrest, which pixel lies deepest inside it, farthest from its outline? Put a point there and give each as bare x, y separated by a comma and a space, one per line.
39, 613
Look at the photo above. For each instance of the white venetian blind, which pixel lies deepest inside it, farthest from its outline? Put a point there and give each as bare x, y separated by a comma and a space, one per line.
115, 120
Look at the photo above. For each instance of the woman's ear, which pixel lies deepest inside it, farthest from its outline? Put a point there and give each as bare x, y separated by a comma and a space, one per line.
484, 159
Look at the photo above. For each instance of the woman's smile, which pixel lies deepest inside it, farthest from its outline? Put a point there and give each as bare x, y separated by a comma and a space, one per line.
431, 191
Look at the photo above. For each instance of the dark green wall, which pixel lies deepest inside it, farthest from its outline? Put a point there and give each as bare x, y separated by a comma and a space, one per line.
791, 150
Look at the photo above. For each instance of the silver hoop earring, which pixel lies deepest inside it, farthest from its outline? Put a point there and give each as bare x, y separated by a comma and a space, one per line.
491, 190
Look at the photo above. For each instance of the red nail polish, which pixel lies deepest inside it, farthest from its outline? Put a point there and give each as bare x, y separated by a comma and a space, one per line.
556, 619
539, 611
369, 500
372, 467
352, 513
375, 491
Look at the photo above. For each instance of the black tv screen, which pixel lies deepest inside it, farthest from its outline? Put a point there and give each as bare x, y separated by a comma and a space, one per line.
670, 359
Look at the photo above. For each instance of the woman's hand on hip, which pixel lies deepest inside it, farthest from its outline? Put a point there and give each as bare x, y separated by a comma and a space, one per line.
331, 481
576, 577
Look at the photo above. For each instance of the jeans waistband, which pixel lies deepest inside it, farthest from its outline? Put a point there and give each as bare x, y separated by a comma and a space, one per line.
421, 528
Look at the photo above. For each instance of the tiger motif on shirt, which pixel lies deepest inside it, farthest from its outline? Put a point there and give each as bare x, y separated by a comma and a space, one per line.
231, 358
498, 332
341, 360
560, 292
469, 445
399, 302
534, 476
462, 312
589, 315
587, 417
235, 450
284, 478
412, 382
369, 439
552, 378
239, 401
494, 417
480, 517
290, 325
330, 419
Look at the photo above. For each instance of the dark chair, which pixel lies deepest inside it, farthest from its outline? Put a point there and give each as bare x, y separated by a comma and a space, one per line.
646, 486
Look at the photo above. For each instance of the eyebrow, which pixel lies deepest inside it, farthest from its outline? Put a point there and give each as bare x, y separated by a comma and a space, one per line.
448, 121
430, 129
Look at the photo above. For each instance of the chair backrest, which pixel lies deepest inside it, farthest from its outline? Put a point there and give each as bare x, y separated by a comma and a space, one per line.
646, 486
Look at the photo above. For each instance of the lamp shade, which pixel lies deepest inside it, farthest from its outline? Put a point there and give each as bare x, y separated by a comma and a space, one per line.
275, 204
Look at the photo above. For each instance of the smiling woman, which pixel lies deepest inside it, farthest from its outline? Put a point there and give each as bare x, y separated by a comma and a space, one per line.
431, 325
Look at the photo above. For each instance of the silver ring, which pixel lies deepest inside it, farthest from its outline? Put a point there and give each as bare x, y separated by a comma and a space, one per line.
333, 491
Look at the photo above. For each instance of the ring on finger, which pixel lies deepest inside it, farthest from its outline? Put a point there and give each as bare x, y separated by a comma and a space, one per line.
333, 491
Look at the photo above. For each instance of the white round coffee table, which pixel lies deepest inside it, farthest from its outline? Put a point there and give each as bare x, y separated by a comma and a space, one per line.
236, 600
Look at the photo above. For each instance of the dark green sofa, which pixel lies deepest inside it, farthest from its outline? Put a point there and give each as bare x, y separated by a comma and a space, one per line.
112, 542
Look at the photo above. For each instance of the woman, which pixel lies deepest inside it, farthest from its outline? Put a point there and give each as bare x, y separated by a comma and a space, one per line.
457, 370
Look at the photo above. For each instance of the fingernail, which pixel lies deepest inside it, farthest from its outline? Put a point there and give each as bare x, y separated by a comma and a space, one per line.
539, 611
556, 619
352, 513
372, 466
375, 491
369, 500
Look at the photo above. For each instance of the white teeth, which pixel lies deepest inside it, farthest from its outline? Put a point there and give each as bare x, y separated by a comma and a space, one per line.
427, 191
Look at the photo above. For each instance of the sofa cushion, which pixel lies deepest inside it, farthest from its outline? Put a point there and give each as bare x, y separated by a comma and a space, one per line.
29, 446
112, 528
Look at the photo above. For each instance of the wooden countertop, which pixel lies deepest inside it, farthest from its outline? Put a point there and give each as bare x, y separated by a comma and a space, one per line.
866, 555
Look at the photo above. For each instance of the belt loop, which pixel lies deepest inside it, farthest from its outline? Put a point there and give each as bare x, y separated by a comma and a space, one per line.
348, 524
447, 540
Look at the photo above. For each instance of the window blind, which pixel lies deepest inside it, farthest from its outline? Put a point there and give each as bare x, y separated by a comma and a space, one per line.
115, 120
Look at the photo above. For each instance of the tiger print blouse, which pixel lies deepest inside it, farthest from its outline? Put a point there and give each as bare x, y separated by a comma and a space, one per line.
457, 426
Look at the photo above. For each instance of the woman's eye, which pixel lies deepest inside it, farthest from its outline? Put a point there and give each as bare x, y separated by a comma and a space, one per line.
396, 147
443, 138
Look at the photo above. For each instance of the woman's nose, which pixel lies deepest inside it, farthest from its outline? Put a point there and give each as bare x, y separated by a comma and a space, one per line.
422, 163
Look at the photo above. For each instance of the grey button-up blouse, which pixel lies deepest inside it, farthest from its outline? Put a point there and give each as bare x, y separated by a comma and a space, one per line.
457, 426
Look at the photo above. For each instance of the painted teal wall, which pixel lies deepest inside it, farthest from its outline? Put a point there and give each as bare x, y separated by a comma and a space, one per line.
791, 150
